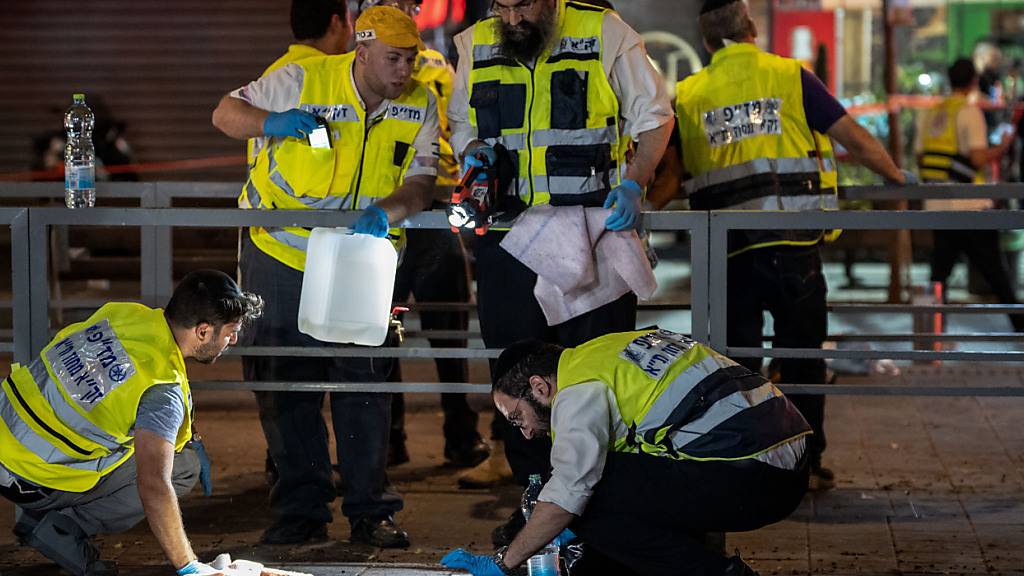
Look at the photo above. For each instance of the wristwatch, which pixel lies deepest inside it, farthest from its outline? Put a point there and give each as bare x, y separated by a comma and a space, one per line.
499, 561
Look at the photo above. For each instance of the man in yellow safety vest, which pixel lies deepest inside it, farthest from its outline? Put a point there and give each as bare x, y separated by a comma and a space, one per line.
97, 430
379, 155
656, 440
754, 130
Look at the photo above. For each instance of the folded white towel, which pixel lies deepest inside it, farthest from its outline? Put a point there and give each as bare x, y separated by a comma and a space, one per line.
580, 265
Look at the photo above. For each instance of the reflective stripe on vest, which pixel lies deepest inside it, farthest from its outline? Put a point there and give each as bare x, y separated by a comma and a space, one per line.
746, 143
367, 161
682, 400
67, 419
941, 160
560, 118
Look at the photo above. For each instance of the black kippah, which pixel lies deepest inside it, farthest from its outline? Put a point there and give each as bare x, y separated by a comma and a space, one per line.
710, 5
513, 355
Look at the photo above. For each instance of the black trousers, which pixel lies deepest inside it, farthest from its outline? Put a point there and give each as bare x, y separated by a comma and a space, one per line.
509, 312
984, 252
434, 270
787, 282
292, 422
648, 515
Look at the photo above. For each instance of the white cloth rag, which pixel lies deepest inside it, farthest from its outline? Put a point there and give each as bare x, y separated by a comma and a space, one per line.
580, 265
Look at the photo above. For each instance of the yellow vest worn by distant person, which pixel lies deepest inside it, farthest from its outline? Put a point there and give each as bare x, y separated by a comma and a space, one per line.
680, 399
941, 160
367, 159
434, 72
747, 145
560, 118
68, 417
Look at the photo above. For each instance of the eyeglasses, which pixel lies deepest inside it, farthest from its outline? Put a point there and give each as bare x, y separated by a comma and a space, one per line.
514, 417
507, 11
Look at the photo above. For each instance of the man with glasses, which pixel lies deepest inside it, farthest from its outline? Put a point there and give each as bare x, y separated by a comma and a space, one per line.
657, 440
567, 88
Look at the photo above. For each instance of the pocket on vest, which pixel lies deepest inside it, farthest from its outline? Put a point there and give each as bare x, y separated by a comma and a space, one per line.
579, 175
569, 100
498, 107
307, 171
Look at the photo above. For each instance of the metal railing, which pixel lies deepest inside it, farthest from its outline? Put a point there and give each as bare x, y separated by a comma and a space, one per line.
708, 232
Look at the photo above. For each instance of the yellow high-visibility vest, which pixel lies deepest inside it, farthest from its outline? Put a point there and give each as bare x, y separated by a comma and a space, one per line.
295, 53
367, 160
681, 399
560, 118
434, 72
941, 160
67, 419
747, 145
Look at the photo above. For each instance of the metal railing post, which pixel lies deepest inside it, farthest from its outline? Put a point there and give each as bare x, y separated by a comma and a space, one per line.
718, 256
700, 281
156, 250
39, 281
21, 287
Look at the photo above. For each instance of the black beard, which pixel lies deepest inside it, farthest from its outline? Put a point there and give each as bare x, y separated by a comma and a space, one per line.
207, 353
543, 412
525, 41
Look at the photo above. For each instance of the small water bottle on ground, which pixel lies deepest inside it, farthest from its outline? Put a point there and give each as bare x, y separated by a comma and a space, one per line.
529, 499
79, 156
544, 562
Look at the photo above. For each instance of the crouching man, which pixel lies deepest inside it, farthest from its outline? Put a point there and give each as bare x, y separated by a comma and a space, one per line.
656, 440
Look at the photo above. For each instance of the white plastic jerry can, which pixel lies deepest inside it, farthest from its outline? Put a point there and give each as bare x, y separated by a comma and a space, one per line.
347, 287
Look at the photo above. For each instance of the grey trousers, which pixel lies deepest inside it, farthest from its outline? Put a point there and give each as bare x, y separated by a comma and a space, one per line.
113, 505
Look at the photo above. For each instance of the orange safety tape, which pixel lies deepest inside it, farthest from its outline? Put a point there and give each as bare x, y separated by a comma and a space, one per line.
169, 166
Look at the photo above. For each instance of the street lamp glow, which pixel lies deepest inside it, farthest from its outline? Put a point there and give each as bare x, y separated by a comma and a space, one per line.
925, 79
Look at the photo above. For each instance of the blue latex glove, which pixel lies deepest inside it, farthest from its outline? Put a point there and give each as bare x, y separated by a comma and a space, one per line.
197, 567
374, 222
626, 199
477, 565
293, 123
471, 160
205, 478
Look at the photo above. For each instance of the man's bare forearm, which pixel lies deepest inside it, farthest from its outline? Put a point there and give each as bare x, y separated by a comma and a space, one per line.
412, 197
865, 149
649, 150
239, 119
154, 458
547, 521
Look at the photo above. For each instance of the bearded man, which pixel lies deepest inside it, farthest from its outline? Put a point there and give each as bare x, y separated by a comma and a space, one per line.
568, 89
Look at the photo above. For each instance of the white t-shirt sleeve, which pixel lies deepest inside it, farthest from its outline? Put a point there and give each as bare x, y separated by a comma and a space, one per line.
458, 105
426, 146
582, 421
644, 102
278, 91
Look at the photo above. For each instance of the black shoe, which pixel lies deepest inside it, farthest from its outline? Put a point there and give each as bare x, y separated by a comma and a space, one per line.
294, 531
737, 567
504, 534
397, 454
379, 532
467, 456
820, 479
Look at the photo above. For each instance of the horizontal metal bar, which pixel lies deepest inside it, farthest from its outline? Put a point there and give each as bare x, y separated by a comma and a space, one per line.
6, 346
412, 387
932, 191
743, 352
944, 308
450, 387
868, 220
897, 390
363, 352
927, 337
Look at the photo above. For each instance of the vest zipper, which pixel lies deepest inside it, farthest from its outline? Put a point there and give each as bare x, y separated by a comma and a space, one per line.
362, 156
529, 134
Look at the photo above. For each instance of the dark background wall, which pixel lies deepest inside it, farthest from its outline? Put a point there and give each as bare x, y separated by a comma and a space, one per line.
160, 66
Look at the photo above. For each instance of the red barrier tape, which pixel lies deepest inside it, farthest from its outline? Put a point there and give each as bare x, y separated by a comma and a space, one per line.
141, 167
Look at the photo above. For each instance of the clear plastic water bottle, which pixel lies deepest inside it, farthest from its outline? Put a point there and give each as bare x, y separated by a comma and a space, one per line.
79, 156
529, 499
544, 562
